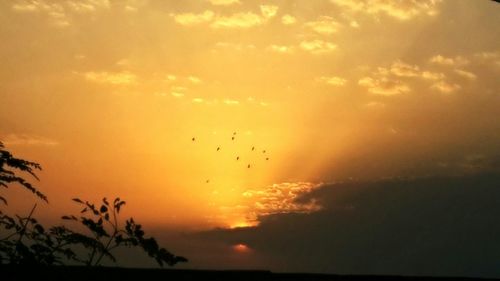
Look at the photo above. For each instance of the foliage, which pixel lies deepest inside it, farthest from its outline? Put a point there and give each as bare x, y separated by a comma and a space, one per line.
27, 242
9, 164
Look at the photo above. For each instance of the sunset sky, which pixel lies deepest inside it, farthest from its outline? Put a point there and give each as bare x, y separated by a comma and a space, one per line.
107, 96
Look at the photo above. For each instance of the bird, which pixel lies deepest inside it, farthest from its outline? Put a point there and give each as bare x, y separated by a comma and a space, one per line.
267, 158
248, 166
208, 181
232, 138
263, 151
193, 139
218, 148
253, 148
237, 158
234, 133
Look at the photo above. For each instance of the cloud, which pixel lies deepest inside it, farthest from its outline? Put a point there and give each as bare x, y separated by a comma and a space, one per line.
288, 20
333, 80
317, 46
238, 20
466, 74
178, 91
281, 49
428, 75
60, 12
401, 10
384, 86
268, 11
445, 87
189, 19
441, 60
171, 77
231, 102
324, 25
115, 78
198, 100
27, 140
224, 2
177, 94
194, 79
445, 226
278, 199
402, 69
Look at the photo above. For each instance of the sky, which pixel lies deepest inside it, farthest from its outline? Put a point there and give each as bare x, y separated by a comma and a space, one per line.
287, 102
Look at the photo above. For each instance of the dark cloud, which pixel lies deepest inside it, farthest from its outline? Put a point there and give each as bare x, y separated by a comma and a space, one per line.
427, 226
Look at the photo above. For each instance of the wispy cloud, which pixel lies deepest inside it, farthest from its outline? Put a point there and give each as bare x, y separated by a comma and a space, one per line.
27, 140
237, 20
332, 80
442, 60
59, 12
317, 46
116, 78
268, 11
281, 49
466, 74
401, 10
224, 2
288, 19
231, 102
323, 25
445, 87
384, 86
193, 19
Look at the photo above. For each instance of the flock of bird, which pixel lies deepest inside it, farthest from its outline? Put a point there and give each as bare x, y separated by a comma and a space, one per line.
233, 137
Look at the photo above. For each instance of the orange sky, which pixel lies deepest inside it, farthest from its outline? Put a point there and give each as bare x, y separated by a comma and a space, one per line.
107, 95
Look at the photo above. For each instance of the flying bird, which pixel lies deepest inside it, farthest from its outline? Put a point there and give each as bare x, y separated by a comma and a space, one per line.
234, 133
232, 138
218, 148
263, 151
267, 158
237, 158
208, 181
248, 166
253, 148
193, 139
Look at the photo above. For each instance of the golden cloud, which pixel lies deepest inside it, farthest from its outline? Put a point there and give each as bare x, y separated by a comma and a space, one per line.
116, 78
401, 10
384, 86
288, 20
333, 80
324, 25
317, 46
193, 19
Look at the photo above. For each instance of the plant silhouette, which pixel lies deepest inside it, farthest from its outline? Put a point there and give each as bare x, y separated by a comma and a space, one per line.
24, 241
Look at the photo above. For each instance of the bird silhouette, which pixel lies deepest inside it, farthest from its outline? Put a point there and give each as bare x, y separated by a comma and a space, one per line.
248, 166
237, 158
253, 148
193, 139
263, 151
234, 133
218, 148
232, 138
208, 181
267, 158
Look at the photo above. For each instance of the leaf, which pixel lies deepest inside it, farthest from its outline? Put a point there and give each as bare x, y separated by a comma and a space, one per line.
103, 209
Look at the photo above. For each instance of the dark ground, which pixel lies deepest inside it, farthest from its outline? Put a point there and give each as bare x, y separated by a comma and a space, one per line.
8, 273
